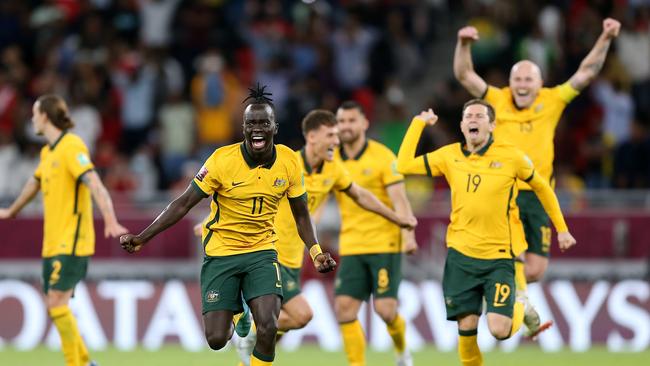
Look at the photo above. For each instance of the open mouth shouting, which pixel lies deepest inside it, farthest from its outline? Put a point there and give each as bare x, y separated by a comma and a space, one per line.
258, 142
473, 131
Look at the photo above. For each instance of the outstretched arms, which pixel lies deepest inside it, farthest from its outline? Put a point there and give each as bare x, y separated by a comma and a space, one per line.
322, 261
463, 67
175, 211
28, 193
593, 62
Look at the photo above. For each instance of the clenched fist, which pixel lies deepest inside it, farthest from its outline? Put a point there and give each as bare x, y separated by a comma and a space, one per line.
468, 34
611, 27
131, 243
324, 263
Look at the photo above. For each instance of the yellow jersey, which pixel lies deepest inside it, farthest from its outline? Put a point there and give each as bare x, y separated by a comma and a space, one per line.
531, 129
364, 232
329, 176
245, 198
67, 204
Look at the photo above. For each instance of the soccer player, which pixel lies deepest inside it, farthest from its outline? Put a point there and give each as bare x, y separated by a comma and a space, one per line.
247, 182
322, 176
527, 115
482, 175
67, 178
370, 246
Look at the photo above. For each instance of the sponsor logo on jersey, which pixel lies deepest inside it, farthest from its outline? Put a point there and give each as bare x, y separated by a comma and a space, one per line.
279, 182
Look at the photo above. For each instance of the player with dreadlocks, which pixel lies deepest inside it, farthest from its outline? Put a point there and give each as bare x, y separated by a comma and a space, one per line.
246, 180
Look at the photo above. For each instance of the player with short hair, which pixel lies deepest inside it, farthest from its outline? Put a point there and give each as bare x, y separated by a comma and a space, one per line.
482, 175
370, 246
66, 176
527, 115
246, 181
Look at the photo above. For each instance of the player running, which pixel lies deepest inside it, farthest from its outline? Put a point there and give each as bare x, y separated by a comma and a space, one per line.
370, 246
323, 175
482, 175
247, 181
527, 115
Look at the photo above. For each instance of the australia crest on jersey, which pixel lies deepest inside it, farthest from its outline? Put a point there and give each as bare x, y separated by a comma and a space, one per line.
279, 182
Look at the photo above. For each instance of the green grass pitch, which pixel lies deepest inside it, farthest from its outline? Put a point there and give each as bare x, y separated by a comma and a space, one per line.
313, 356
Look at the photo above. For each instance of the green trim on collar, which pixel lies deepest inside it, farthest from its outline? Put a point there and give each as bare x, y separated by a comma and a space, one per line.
58, 140
344, 156
252, 163
319, 168
481, 151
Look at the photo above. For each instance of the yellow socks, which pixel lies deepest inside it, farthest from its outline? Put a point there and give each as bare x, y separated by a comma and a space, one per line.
71, 342
258, 359
397, 331
517, 316
354, 342
520, 277
520, 298
468, 351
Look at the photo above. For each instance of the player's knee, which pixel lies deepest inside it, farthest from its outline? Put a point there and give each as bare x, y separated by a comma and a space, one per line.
218, 339
304, 317
386, 314
267, 328
534, 272
501, 330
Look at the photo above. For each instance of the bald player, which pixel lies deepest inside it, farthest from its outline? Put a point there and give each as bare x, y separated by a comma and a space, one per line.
526, 115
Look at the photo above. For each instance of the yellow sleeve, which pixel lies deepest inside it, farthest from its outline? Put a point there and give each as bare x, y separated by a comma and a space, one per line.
206, 180
428, 164
77, 159
566, 92
343, 179
493, 95
296, 179
549, 200
389, 173
39, 170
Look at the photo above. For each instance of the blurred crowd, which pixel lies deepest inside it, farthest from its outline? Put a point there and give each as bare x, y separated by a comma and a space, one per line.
154, 86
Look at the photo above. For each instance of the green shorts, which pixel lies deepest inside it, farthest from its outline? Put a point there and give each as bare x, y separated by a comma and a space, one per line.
225, 279
467, 280
360, 275
290, 283
63, 272
536, 223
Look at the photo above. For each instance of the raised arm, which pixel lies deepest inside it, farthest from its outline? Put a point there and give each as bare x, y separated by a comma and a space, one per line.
99, 193
593, 62
407, 163
322, 261
552, 207
28, 193
175, 211
368, 201
463, 66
